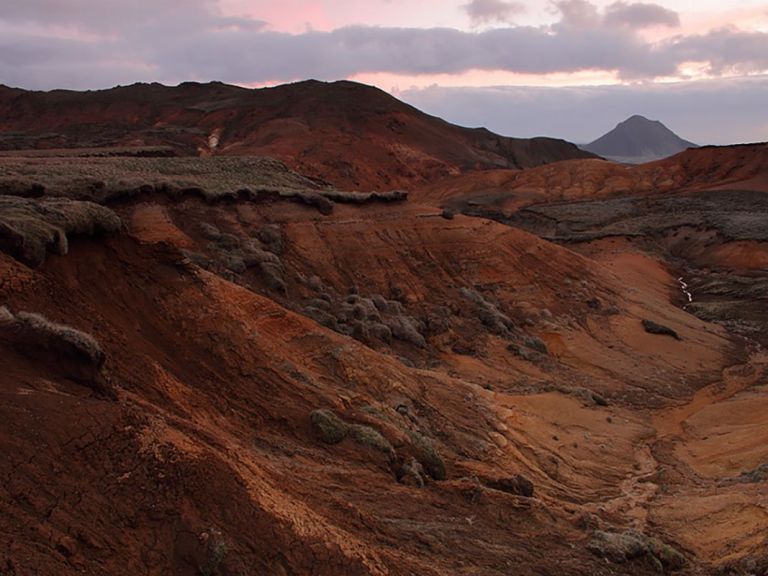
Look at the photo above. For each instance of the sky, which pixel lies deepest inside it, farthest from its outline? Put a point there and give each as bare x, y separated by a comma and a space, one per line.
563, 68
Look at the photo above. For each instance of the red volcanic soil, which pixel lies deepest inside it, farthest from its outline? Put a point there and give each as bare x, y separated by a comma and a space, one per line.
206, 460
284, 379
743, 167
352, 135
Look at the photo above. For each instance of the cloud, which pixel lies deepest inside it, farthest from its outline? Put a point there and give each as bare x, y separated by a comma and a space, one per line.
578, 14
719, 111
43, 46
487, 11
726, 50
640, 15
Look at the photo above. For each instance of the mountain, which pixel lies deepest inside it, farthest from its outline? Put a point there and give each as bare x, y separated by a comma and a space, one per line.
351, 135
638, 140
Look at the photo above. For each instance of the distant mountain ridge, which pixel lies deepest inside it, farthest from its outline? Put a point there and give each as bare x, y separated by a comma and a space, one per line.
351, 135
638, 140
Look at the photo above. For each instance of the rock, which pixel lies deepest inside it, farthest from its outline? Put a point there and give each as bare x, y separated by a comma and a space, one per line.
517, 484
617, 547
411, 473
670, 558
653, 328
622, 547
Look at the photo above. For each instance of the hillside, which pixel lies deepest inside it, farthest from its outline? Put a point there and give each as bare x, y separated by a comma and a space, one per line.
354, 136
219, 365
742, 167
255, 389
638, 140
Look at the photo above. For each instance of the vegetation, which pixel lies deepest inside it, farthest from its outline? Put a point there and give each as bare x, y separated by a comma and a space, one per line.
489, 314
622, 547
30, 228
35, 330
217, 549
111, 179
367, 319
367, 436
428, 456
74, 353
329, 428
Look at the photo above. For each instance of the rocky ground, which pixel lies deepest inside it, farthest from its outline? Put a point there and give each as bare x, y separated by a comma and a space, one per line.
282, 380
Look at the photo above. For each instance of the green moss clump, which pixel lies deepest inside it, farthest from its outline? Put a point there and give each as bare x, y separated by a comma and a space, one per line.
428, 456
329, 427
368, 436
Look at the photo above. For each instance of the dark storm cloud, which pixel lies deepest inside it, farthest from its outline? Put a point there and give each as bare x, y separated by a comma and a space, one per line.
721, 111
96, 44
486, 11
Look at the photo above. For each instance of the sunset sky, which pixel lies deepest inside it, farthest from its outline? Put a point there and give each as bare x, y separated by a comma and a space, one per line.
567, 68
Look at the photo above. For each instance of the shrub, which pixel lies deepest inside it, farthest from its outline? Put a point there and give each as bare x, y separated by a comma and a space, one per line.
329, 427
341, 197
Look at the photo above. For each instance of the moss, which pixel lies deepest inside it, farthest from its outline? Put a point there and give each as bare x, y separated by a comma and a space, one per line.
30, 228
668, 556
536, 344
38, 335
428, 456
328, 427
368, 436
76, 354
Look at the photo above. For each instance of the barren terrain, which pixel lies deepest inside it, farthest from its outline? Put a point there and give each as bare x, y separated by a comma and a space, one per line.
222, 366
